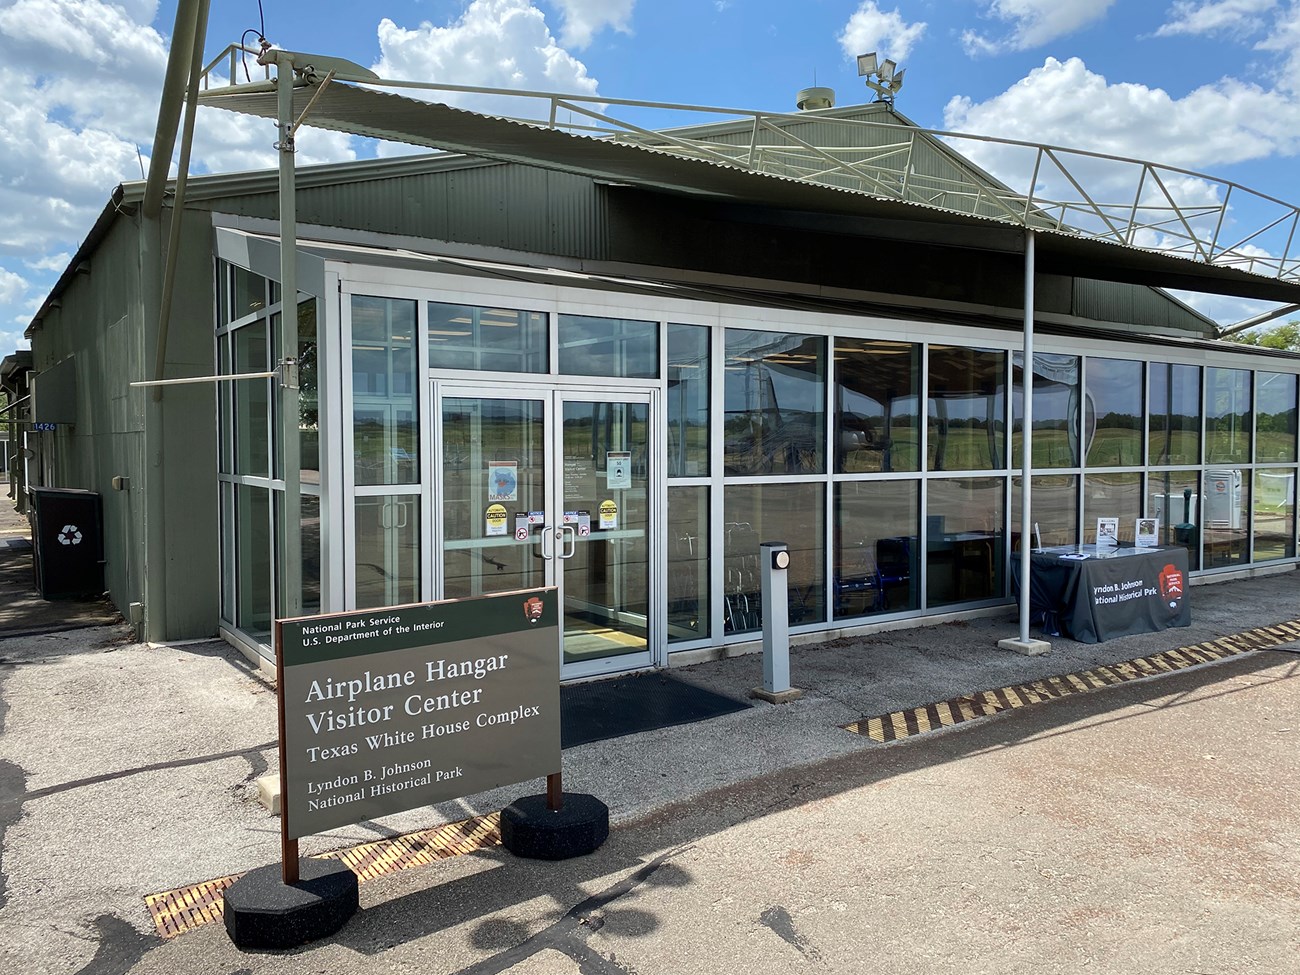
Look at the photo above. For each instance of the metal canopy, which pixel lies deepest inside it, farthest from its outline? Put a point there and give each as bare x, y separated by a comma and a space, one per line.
668, 164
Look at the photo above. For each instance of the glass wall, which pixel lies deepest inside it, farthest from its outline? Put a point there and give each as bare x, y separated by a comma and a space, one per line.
775, 400
688, 563
1112, 413
1227, 416
385, 415
967, 409
877, 389
1275, 419
614, 347
1174, 414
688, 401
489, 339
756, 513
1055, 514
1055, 441
876, 547
964, 540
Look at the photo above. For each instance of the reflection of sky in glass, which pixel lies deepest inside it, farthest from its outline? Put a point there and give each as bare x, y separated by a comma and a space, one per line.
771, 371
1056, 382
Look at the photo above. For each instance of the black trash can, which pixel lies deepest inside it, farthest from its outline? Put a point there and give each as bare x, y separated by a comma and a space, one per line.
67, 542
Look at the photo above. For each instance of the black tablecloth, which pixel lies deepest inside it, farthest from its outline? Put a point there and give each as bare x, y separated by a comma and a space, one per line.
1109, 593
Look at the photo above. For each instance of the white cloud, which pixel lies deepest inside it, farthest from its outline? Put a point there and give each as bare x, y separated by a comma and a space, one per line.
79, 88
584, 18
1215, 17
1284, 39
872, 29
1034, 23
494, 44
1063, 103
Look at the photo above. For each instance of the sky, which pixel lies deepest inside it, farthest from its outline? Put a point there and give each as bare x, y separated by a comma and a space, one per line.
1209, 85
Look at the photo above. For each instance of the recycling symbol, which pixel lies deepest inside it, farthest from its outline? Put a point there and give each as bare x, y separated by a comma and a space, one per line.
71, 535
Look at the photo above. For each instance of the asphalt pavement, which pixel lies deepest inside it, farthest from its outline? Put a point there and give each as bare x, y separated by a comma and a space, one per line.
128, 769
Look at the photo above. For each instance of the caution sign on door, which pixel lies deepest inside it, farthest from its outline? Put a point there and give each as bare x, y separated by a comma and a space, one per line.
608, 515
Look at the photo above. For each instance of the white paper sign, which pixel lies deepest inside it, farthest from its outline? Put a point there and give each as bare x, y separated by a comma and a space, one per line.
618, 468
1108, 531
1146, 532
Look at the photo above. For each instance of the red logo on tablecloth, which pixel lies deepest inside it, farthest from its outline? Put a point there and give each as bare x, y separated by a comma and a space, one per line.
1171, 585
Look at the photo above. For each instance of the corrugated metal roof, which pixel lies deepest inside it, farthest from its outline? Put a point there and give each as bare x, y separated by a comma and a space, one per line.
393, 117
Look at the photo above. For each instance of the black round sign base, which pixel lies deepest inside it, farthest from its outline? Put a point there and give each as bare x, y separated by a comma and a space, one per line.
262, 912
529, 829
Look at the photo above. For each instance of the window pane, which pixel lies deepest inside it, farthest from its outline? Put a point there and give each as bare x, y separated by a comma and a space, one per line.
491, 339
967, 409
388, 550
875, 548
309, 527
775, 395
756, 513
225, 397
876, 422
1227, 502
1112, 413
308, 394
253, 560
1275, 424
608, 347
1274, 514
1111, 496
688, 401
252, 401
249, 293
385, 421
1175, 498
1175, 414
1056, 398
1054, 511
1227, 416
688, 563
964, 544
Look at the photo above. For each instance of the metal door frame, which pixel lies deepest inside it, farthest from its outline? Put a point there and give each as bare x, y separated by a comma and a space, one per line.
553, 396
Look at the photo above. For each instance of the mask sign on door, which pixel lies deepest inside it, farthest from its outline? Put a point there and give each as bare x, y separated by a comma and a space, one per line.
503, 481
618, 469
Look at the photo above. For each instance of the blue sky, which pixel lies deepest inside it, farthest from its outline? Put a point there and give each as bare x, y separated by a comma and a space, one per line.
1210, 85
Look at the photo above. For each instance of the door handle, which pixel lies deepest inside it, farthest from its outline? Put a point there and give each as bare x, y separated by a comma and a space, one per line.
572, 534
545, 537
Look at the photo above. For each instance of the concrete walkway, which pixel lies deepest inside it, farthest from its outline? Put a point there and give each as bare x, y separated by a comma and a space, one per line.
127, 769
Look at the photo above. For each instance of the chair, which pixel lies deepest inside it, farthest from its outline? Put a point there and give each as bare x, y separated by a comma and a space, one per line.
893, 565
859, 579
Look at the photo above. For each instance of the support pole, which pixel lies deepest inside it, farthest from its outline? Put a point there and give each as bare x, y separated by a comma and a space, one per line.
1024, 644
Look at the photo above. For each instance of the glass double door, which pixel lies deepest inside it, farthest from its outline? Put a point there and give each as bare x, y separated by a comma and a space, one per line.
553, 488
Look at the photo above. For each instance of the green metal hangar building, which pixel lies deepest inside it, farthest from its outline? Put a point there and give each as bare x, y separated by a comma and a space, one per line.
616, 363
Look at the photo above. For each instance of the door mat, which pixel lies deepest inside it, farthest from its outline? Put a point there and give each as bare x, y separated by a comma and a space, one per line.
606, 709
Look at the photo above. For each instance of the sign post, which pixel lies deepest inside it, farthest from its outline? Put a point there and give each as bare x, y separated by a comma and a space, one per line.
390, 709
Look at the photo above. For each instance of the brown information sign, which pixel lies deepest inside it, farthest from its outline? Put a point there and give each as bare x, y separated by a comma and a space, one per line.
385, 710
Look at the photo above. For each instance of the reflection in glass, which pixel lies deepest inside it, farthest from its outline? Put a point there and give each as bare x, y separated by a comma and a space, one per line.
964, 547
1174, 404
1227, 416
688, 563
606, 573
1275, 422
688, 401
615, 347
492, 472
1054, 510
253, 560
775, 402
225, 397
308, 393
1226, 517
1112, 413
252, 401
490, 339
755, 513
1111, 495
1056, 398
388, 550
1274, 499
876, 529
248, 293
1175, 499
967, 409
876, 422
385, 419
311, 561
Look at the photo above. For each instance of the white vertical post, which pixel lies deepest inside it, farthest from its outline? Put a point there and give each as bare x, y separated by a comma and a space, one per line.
774, 558
289, 563
1024, 644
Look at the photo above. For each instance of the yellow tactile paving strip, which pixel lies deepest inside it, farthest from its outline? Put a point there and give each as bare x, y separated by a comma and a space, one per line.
176, 911
898, 725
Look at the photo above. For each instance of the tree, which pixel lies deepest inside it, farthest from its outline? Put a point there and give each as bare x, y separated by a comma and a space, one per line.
1284, 335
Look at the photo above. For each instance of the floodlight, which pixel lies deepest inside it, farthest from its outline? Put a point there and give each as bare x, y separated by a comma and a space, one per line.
887, 69
867, 64
898, 80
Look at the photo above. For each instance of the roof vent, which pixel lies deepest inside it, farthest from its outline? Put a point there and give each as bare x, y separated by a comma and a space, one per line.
811, 99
